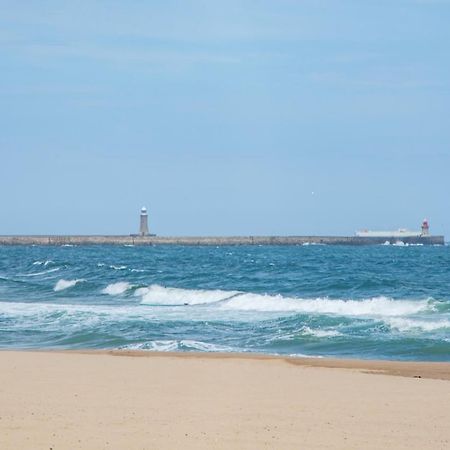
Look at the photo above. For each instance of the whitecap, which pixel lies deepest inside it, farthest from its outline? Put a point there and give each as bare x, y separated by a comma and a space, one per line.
116, 288
43, 263
160, 295
65, 284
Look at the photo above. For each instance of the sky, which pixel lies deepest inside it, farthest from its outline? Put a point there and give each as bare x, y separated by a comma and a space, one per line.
224, 117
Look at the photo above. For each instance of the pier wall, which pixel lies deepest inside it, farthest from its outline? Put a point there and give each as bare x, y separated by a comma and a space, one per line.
214, 240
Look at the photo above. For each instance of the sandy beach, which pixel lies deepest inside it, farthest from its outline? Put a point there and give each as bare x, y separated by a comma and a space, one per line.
142, 400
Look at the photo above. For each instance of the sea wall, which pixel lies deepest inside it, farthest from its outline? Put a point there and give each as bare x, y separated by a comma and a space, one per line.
214, 240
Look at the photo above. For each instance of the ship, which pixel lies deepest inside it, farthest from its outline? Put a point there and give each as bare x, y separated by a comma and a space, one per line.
401, 236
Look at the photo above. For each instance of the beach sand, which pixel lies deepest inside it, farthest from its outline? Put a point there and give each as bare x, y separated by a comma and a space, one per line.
143, 400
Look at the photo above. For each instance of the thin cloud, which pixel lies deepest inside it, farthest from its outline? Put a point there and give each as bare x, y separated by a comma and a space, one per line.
123, 55
388, 79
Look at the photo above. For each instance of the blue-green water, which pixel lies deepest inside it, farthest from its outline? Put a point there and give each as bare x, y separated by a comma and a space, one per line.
365, 302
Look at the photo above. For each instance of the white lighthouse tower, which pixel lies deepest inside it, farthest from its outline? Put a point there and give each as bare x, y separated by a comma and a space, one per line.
143, 229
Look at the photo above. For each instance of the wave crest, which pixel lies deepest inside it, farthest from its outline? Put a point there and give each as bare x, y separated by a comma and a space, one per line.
160, 295
241, 301
116, 288
377, 306
66, 284
37, 274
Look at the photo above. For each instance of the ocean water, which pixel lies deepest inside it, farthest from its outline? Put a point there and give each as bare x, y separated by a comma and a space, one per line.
384, 302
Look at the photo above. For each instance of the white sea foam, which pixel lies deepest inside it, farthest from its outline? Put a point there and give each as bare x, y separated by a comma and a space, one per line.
117, 288
304, 331
117, 267
174, 345
205, 346
68, 317
159, 295
160, 346
65, 284
320, 332
43, 263
407, 324
75, 312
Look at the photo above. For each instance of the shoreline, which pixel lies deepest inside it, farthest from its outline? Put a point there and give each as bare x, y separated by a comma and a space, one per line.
117, 400
434, 370
438, 370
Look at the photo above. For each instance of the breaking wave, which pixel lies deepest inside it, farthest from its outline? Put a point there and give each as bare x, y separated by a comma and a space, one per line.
117, 288
159, 295
241, 301
66, 284
377, 306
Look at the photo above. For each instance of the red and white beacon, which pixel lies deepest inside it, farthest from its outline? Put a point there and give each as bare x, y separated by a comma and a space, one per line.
425, 228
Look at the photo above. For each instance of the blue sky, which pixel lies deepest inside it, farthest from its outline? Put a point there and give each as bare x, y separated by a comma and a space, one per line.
236, 117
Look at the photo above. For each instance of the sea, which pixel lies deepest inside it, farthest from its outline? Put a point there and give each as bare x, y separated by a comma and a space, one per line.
372, 302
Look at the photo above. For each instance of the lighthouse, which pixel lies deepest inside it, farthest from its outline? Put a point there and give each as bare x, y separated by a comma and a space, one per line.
143, 229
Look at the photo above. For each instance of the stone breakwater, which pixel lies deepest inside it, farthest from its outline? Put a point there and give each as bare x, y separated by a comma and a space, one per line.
216, 240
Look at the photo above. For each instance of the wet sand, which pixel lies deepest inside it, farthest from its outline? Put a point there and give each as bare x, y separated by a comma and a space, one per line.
143, 400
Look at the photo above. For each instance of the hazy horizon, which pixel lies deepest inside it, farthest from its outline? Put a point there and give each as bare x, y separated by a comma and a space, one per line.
233, 118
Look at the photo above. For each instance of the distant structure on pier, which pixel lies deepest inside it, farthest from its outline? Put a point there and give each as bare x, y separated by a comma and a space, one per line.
143, 229
425, 228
